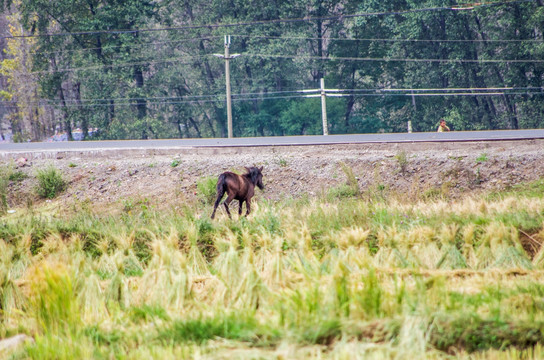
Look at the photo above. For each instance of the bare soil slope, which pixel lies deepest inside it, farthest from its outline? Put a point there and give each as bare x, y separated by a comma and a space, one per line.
169, 177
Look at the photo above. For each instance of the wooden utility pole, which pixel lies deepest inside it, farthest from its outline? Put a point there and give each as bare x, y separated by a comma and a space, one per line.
415, 109
324, 107
227, 57
227, 82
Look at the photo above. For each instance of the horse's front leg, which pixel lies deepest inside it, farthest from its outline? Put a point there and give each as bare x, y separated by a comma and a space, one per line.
241, 202
248, 206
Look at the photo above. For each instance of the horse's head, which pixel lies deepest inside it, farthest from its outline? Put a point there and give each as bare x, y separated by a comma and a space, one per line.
256, 176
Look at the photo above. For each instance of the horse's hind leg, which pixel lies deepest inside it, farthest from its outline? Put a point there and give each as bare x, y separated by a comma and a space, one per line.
217, 201
227, 203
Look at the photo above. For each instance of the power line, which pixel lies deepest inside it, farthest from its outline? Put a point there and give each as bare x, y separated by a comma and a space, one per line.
191, 99
106, 48
98, 67
392, 94
340, 58
143, 44
307, 57
390, 40
275, 21
200, 102
174, 97
455, 89
266, 94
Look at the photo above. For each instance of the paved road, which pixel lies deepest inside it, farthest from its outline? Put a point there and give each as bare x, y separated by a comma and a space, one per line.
454, 136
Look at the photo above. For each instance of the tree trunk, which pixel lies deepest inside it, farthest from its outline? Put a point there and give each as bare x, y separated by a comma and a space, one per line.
67, 123
84, 120
141, 103
193, 122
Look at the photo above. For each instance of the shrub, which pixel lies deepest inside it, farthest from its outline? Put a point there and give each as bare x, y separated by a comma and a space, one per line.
482, 158
3, 194
402, 161
50, 182
17, 176
350, 188
206, 189
432, 194
342, 191
8, 174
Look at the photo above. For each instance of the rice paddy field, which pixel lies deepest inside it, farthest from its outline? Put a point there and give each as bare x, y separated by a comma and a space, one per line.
356, 276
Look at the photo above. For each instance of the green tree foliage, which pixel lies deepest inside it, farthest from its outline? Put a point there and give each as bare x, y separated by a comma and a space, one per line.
166, 83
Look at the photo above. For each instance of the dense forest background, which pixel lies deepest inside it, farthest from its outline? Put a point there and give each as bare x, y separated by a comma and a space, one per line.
139, 69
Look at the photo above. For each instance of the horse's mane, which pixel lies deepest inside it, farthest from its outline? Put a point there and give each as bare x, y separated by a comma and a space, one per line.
252, 174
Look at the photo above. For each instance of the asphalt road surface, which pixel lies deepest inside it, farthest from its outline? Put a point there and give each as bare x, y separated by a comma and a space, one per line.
453, 136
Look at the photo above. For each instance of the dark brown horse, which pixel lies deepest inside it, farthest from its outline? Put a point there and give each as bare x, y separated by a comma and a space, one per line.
238, 187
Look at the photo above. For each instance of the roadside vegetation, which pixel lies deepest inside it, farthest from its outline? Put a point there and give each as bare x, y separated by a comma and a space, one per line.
50, 182
348, 275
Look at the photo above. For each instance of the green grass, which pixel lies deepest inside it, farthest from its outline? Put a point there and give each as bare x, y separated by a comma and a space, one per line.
238, 327
533, 189
148, 313
17, 176
50, 182
206, 189
473, 333
343, 191
482, 158
402, 161
330, 275
8, 174
4, 182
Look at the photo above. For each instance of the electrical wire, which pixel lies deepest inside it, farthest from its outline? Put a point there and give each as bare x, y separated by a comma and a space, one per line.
174, 60
340, 58
267, 94
99, 67
276, 21
142, 44
388, 40
391, 40
221, 98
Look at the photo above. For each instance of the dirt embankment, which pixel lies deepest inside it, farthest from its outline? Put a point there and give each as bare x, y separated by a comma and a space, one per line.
166, 177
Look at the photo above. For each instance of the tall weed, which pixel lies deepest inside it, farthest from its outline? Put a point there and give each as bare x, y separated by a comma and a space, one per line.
349, 189
50, 182
206, 189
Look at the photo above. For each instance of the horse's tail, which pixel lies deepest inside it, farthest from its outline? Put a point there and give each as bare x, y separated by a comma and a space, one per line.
221, 188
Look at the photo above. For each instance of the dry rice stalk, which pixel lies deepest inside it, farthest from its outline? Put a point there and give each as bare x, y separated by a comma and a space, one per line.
448, 233
511, 257
352, 237
485, 257
451, 258
428, 254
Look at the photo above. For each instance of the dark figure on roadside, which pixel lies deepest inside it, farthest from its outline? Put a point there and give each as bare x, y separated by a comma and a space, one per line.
443, 127
238, 187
